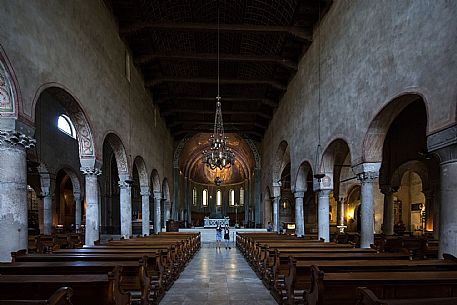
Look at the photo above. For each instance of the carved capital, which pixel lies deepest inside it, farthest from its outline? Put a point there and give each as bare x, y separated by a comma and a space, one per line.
157, 195
324, 192
367, 177
386, 189
13, 138
299, 194
125, 184
77, 196
441, 139
91, 171
145, 191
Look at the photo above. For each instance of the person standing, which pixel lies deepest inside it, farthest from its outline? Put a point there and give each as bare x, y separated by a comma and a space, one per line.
218, 236
227, 237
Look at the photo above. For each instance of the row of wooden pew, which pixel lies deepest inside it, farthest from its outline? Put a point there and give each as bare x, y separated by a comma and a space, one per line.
49, 243
123, 272
314, 272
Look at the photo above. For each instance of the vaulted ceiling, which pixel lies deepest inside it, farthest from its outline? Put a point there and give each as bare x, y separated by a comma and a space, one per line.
175, 43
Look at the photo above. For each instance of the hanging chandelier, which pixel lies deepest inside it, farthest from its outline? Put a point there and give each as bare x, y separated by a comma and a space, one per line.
219, 155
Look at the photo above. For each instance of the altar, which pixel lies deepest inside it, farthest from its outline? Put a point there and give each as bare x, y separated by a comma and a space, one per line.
213, 222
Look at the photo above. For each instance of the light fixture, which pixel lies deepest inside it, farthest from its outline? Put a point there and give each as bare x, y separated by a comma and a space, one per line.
219, 156
319, 174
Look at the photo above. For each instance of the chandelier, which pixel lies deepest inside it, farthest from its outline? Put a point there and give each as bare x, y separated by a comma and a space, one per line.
219, 156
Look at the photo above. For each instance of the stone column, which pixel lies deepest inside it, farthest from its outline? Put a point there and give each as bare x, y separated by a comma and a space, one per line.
13, 192
157, 213
275, 201
125, 187
145, 194
444, 144
167, 210
340, 211
323, 214
367, 174
77, 197
92, 205
388, 215
299, 216
47, 210
429, 209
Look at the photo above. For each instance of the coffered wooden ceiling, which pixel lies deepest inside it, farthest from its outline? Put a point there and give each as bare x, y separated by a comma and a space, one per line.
174, 44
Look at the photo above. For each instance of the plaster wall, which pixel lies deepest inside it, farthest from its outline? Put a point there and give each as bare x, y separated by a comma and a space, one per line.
75, 45
371, 52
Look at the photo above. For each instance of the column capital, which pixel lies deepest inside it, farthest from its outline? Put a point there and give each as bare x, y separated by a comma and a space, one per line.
326, 183
157, 195
14, 138
324, 192
125, 184
299, 194
444, 144
367, 172
145, 191
91, 171
77, 195
387, 189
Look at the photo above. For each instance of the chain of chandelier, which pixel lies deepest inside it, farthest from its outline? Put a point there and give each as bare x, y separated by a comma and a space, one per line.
219, 155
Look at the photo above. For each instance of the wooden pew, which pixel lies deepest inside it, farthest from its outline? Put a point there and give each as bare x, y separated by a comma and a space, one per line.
89, 289
341, 288
299, 274
366, 297
61, 296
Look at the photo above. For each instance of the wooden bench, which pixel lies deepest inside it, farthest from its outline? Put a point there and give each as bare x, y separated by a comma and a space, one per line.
298, 278
366, 297
91, 289
341, 288
61, 296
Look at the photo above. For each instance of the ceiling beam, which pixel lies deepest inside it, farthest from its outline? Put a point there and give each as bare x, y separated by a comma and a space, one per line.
265, 101
170, 111
298, 32
190, 130
251, 123
287, 63
196, 80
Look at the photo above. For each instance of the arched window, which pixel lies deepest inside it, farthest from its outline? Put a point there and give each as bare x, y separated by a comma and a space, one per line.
194, 196
232, 197
241, 196
219, 198
65, 125
205, 197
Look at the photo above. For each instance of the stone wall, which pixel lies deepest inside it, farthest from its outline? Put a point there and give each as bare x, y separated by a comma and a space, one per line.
75, 45
371, 52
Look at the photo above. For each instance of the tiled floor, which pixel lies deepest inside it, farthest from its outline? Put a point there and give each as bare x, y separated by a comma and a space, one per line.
218, 277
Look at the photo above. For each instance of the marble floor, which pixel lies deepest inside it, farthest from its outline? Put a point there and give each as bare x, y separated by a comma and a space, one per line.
218, 277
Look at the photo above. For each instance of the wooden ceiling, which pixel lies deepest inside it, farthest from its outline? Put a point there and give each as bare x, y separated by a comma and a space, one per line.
174, 44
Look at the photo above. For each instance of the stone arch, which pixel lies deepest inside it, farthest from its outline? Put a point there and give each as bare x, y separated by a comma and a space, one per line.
142, 171
9, 94
120, 154
301, 184
415, 166
332, 162
84, 134
155, 181
77, 189
379, 126
165, 190
267, 206
281, 159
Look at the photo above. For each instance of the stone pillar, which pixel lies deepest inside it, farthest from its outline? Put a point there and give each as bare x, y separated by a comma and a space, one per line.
429, 209
299, 216
77, 197
13, 192
145, 194
125, 187
92, 205
275, 201
388, 215
444, 144
47, 210
340, 211
258, 211
167, 210
367, 174
323, 214
157, 213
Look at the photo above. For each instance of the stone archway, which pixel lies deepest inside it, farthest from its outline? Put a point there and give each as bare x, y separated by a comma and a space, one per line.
145, 193
155, 182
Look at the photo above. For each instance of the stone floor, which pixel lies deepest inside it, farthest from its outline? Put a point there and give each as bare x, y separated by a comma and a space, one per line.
218, 277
